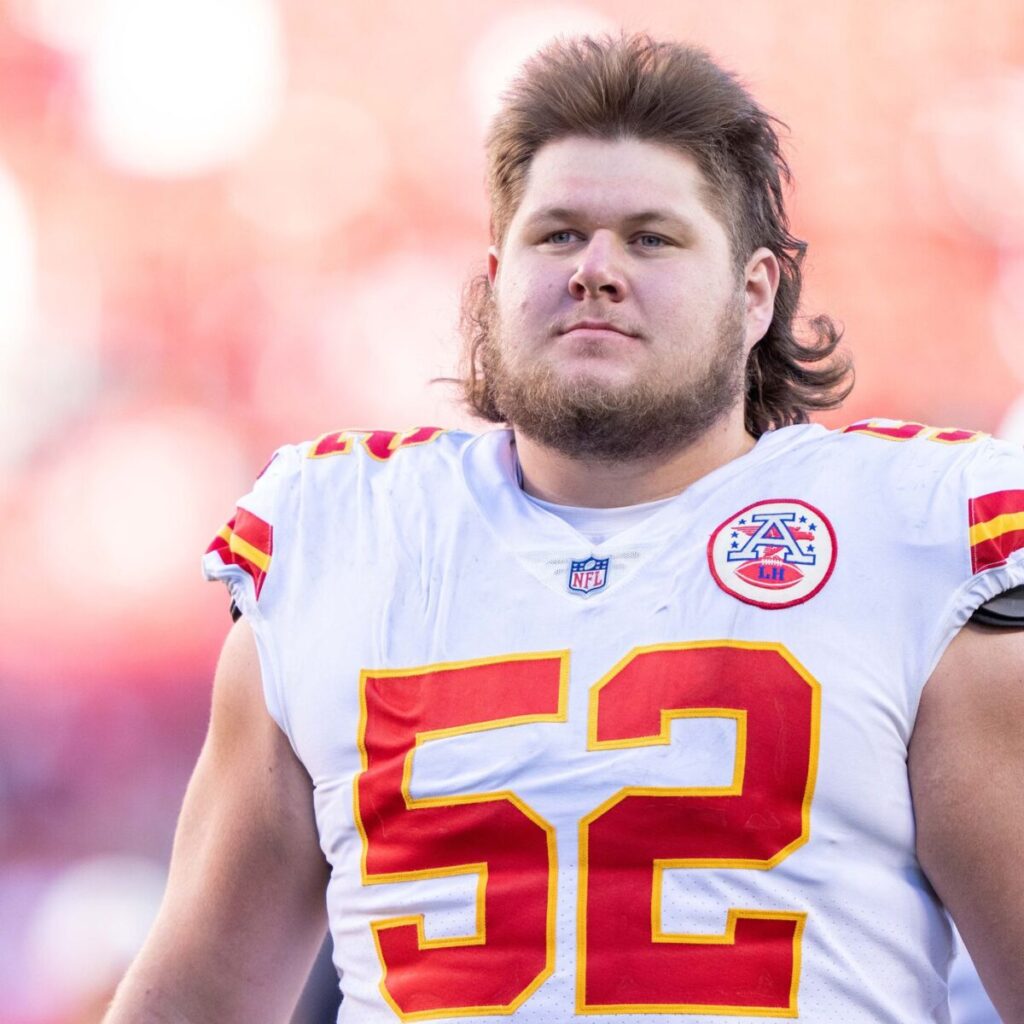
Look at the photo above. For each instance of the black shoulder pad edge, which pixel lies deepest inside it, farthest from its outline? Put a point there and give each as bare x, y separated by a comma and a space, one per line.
236, 612
1005, 610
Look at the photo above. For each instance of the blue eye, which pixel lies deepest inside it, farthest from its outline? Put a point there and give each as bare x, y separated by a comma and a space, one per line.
561, 237
651, 241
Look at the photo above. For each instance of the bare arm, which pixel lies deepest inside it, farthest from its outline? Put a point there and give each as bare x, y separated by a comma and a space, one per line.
243, 914
967, 776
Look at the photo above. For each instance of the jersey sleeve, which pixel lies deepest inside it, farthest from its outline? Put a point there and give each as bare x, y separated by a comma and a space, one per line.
994, 520
245, 550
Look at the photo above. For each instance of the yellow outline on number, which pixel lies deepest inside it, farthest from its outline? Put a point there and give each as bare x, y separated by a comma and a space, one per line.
733, 789
479, 937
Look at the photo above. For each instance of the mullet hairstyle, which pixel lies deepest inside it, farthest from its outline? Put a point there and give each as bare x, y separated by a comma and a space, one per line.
631, 86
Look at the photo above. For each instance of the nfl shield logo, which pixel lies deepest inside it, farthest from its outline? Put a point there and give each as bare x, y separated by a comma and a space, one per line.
588, 575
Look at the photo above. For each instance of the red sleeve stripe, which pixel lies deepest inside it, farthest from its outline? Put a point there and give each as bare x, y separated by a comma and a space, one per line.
996, 528
246, 541
256, 533
998, 503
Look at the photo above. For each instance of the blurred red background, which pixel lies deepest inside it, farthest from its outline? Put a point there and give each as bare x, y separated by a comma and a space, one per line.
226, 226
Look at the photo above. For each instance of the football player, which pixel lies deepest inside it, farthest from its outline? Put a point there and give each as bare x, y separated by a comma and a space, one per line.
656, 700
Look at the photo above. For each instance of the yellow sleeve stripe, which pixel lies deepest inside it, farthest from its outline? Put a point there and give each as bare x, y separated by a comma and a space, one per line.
241, 547
996, 527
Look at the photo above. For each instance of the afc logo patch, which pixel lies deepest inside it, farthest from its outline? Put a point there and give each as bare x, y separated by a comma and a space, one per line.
588, 575
773, 554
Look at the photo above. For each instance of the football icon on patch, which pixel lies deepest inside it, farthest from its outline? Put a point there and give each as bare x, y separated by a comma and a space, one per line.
773, 554
588, 575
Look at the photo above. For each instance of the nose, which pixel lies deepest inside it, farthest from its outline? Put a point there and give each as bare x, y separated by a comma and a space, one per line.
600, 272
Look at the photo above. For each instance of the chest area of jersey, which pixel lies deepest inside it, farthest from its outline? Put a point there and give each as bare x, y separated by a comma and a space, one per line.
585, 760
680, 756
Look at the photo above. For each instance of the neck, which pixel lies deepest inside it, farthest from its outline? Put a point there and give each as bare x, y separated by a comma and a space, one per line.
592, 483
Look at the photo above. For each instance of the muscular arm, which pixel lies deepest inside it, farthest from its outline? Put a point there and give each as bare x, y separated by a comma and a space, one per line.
967, 776
243, 914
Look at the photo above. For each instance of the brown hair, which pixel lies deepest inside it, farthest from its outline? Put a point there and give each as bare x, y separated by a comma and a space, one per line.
675, 95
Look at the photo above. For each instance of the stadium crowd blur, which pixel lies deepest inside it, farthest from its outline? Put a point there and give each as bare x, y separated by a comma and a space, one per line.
226, 226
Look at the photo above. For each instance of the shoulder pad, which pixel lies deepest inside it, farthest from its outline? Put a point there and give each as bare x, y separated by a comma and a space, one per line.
1005, 610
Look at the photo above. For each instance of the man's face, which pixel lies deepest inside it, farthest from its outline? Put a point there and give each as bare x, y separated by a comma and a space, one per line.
623, 325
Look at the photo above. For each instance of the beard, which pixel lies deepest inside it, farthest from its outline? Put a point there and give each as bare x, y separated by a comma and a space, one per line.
587, 418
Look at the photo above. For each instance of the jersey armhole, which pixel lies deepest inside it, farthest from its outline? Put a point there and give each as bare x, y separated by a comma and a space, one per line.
1004, 611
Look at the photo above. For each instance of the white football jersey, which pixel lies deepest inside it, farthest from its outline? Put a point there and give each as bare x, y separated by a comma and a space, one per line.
665, 774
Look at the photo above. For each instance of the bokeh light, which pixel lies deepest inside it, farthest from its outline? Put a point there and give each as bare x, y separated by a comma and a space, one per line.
69, 25
393, 325
977, 130
1011, 426
89, 924
17, 273
160, 465
110, 529
325, 162
501, 50
179, 87
17, 300
1008, 310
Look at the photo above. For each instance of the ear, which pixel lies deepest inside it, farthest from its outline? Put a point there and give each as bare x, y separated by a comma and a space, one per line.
762, 282
492, 264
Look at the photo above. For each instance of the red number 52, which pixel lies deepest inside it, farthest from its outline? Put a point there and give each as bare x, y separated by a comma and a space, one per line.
626, 961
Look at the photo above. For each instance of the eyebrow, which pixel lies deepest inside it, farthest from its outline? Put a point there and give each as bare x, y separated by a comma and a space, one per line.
652, 216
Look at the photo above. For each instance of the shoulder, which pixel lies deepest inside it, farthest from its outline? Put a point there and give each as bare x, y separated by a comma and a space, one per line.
950, 486
385, 447
325, 484
350, 451
339, 460
347, 458
878, 446
884, 440
914, 474
970, 467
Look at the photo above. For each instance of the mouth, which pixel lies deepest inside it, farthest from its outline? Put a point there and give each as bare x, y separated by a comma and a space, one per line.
597, 328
